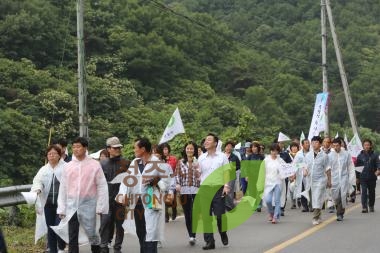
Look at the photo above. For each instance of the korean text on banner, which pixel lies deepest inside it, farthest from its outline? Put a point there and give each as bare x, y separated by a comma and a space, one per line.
318, 123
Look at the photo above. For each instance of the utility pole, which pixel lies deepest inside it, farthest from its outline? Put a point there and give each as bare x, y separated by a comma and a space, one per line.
324, 61
82, 88
341, 69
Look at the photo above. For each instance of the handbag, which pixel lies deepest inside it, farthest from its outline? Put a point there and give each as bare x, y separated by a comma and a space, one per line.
169, 199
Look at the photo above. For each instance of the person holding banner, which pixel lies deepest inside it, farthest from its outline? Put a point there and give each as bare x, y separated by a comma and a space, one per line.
370, 160
342, 176
319, 176
273, 183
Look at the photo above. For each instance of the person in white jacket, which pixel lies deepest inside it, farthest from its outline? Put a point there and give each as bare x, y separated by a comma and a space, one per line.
142, 190
46, 185
342, 176
83, 194
274, 184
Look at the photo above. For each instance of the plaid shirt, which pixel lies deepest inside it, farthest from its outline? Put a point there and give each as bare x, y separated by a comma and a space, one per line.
185, 176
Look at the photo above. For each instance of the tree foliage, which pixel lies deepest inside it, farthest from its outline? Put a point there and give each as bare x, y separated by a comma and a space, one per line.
242, 69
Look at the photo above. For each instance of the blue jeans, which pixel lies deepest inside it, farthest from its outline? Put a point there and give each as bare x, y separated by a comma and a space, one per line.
243, 184
276, 193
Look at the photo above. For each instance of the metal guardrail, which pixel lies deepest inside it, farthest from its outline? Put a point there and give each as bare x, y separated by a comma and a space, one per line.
11, 196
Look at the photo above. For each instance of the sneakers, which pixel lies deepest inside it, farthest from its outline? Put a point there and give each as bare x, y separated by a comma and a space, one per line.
293, 207
316, 222
365, 210
371, 209
192, 241
61, 251
339, 218
159, 244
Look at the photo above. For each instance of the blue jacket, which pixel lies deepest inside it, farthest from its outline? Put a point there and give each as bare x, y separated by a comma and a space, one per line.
371, 163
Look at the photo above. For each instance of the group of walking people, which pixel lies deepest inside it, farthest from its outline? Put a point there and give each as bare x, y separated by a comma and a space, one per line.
98, 195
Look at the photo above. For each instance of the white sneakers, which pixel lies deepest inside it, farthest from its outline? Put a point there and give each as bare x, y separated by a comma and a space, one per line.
61, 251
316, 221
192, 241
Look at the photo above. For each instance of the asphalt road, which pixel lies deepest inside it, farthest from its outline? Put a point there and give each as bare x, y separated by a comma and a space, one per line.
295, 233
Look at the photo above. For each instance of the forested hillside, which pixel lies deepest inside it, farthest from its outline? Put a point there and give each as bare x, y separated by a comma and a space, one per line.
234, 67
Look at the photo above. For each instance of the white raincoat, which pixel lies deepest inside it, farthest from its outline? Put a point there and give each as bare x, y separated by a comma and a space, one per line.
317, 178
342, 174
272, 174
42, 181
132, 187
83, 190
299, 159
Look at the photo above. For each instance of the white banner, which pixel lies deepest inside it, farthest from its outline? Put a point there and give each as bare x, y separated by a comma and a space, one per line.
355, 146
318, 123
173, 128
287, 170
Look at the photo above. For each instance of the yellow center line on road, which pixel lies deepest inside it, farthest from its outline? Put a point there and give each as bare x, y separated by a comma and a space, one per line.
310, 231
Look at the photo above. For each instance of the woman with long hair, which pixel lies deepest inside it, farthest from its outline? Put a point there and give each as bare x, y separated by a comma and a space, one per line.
187, 184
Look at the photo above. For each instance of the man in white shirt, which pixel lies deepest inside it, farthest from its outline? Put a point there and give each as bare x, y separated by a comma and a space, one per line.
208, 163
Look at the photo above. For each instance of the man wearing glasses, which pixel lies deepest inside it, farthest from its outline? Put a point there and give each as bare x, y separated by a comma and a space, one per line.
113, 166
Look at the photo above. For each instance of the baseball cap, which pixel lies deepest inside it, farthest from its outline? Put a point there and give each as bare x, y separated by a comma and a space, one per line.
113, 142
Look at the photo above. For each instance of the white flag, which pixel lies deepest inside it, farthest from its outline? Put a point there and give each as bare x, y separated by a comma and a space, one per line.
302, 137
173, 128
345, 138
282, 137
318, 123
355, 146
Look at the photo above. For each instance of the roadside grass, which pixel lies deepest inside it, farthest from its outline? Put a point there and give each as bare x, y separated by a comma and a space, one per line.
21, 239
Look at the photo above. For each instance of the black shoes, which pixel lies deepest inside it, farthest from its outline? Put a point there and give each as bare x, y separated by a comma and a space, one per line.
365, 210
209, 245
224, 238
174, 213
371, 209
339, 218
305, 210
258, 209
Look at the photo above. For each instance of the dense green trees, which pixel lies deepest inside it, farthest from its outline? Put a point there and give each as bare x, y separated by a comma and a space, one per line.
238, 68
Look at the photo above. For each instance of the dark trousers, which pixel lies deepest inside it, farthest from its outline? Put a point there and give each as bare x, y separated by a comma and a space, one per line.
140, 223
368, 188
73, 234
114, 218
217, 208
187, 201
339, 205
52, 219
